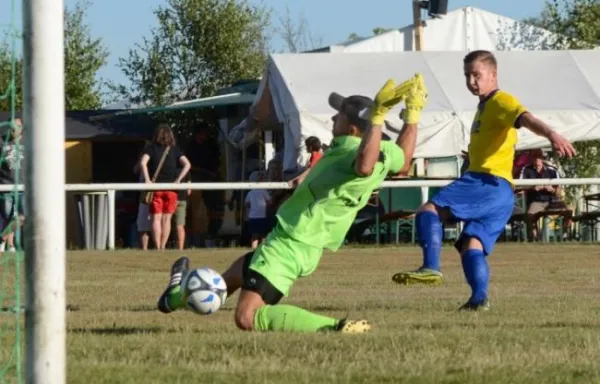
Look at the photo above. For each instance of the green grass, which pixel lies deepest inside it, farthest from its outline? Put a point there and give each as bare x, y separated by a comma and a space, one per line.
544, 326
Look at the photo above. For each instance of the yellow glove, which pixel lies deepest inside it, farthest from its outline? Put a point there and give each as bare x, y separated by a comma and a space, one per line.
388, 96
415, 102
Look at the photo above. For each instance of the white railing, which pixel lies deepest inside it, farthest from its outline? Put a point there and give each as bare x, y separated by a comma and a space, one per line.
111, 188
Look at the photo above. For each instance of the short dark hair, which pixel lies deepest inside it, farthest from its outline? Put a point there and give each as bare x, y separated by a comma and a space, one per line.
481, 55
164, 135
313, 144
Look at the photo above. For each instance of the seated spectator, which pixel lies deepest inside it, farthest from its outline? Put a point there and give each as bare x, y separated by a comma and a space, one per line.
522, 159
541, 197
256, 203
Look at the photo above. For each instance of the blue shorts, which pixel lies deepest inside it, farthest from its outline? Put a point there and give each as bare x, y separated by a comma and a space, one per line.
484, 202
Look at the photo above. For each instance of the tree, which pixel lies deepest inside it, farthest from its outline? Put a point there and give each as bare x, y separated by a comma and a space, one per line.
376, 32
576, 24
198, 47
84, 56
297, 35
10, 80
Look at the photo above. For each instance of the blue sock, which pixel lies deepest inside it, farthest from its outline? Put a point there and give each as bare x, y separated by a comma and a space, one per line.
477, 273
429, 231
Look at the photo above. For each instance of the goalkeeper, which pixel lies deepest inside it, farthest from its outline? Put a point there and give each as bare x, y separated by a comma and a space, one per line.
319, 213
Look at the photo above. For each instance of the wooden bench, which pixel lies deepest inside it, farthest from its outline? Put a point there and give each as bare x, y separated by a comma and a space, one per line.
589, 219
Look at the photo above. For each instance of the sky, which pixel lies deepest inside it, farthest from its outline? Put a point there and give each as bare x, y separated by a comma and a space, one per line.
122, 23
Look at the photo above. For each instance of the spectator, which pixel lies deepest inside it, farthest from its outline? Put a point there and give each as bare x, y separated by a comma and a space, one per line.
256, 203
164, 203
180, 213
314, 147
12, 209
143, 222
277, 196
205, 158
540, 197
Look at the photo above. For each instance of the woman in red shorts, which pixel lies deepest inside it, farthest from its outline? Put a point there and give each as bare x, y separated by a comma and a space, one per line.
173, 169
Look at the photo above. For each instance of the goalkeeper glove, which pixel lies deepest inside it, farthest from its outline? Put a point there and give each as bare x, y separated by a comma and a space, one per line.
389, 96
415, 102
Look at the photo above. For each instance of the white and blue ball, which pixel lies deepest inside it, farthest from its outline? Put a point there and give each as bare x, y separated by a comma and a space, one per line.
204, 291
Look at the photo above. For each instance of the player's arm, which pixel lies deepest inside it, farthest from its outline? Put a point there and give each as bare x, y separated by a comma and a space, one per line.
296, 181
411, 115
387, 97
561, 145
368, 152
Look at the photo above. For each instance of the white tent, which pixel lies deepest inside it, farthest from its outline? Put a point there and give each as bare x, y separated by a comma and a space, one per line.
464, 29
562, 87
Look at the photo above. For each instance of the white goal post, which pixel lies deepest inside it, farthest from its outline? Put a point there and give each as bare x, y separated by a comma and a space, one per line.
45, 226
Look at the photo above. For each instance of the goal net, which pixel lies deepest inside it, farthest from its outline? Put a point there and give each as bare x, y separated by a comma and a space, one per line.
11, 205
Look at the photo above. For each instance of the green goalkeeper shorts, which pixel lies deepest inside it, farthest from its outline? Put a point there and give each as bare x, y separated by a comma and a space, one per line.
281, 259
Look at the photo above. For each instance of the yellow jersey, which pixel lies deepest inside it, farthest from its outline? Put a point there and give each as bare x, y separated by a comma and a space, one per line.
493, 135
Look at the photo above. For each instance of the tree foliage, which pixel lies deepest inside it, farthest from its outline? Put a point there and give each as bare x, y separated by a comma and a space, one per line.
376, 32
296, 34
576, 24
198, 47
10, 80
84, 57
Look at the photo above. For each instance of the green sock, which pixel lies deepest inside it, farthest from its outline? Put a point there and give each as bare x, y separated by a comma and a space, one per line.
288, 318
175, 298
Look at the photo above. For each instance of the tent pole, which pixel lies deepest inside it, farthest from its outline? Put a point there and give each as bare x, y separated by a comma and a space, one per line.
418, 24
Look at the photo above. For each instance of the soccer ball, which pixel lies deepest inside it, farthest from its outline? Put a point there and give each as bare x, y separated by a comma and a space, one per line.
204, 291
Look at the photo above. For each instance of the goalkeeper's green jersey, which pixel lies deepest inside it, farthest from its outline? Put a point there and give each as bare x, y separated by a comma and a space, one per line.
325, 204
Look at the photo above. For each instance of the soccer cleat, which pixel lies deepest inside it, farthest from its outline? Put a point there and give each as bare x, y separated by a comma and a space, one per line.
470, 306
353, 326
178, 271
420, 276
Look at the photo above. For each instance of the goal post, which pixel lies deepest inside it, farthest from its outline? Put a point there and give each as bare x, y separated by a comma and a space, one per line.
44, 134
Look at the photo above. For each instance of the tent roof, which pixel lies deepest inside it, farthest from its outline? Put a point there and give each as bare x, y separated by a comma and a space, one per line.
78, 126
462, 29
562, 87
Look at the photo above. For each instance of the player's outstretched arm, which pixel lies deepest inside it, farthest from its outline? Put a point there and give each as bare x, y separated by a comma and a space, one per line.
387, 97
411, 115
560, 144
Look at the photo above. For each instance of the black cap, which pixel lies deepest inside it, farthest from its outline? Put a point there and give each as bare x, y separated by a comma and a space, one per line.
356, 107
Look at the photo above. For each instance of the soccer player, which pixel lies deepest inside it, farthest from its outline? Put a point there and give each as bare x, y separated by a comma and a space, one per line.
319, 213
483, 197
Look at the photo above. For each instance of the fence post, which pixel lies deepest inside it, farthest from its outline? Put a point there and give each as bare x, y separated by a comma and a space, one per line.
111, 219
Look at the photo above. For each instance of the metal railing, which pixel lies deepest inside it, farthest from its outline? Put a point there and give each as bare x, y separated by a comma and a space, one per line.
111, 188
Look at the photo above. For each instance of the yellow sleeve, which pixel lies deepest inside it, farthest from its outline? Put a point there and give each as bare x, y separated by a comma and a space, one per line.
509, 110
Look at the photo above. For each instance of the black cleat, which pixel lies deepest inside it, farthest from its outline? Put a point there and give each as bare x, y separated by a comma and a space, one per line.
481, 306
178, 271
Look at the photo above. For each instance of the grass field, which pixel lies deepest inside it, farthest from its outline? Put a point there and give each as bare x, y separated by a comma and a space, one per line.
544, 326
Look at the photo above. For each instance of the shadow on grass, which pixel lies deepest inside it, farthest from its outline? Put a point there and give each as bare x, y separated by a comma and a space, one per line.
117, 331
546, 325
152, 308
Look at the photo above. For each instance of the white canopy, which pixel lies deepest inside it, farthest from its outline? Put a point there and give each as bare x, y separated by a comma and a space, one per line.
463, 29
561, 87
